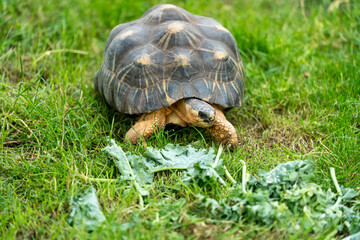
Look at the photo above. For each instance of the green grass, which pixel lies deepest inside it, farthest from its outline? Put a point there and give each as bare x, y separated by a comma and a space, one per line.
302, 101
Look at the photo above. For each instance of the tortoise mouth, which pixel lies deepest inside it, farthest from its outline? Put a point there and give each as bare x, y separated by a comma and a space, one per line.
206, 118
204, 124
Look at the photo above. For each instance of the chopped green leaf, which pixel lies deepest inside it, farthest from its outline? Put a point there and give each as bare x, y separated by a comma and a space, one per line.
196, 164
285, 175
287, 196
132, 167
86, 210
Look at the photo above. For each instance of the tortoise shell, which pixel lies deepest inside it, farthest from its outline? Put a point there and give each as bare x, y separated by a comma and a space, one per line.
166, 55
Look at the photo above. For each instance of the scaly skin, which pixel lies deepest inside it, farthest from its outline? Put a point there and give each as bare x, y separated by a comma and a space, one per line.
147, 125
223, 131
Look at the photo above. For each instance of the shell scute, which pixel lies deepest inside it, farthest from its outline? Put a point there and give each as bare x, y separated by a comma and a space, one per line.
166, 12
176, 34
123, 43
184, 65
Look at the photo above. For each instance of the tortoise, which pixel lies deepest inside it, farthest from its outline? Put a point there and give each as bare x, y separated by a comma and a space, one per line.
171, 66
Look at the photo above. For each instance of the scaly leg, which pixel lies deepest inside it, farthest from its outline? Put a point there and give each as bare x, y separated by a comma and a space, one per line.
223, 131
146, 126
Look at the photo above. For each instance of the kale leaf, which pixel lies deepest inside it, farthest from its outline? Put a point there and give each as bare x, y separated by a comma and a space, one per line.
85, 210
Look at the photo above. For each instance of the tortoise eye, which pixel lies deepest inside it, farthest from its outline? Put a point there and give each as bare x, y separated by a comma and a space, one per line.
202, 115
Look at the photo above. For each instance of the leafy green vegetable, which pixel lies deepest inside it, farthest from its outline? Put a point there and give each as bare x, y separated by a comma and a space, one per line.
86, 210
285, 175
132, 167
286, 195
195, 164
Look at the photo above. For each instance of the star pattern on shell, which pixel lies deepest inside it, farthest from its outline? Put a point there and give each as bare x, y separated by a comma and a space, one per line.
166, 55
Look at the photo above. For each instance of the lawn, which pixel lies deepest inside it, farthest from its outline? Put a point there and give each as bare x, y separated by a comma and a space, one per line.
302, 101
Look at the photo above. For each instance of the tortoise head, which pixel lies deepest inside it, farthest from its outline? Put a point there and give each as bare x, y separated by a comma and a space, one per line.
200, 113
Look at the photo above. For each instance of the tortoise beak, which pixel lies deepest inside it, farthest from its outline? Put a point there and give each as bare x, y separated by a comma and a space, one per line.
209, 120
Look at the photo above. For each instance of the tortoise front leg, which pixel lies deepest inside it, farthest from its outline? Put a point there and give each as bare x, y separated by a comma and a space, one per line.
146, 126
223, 131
